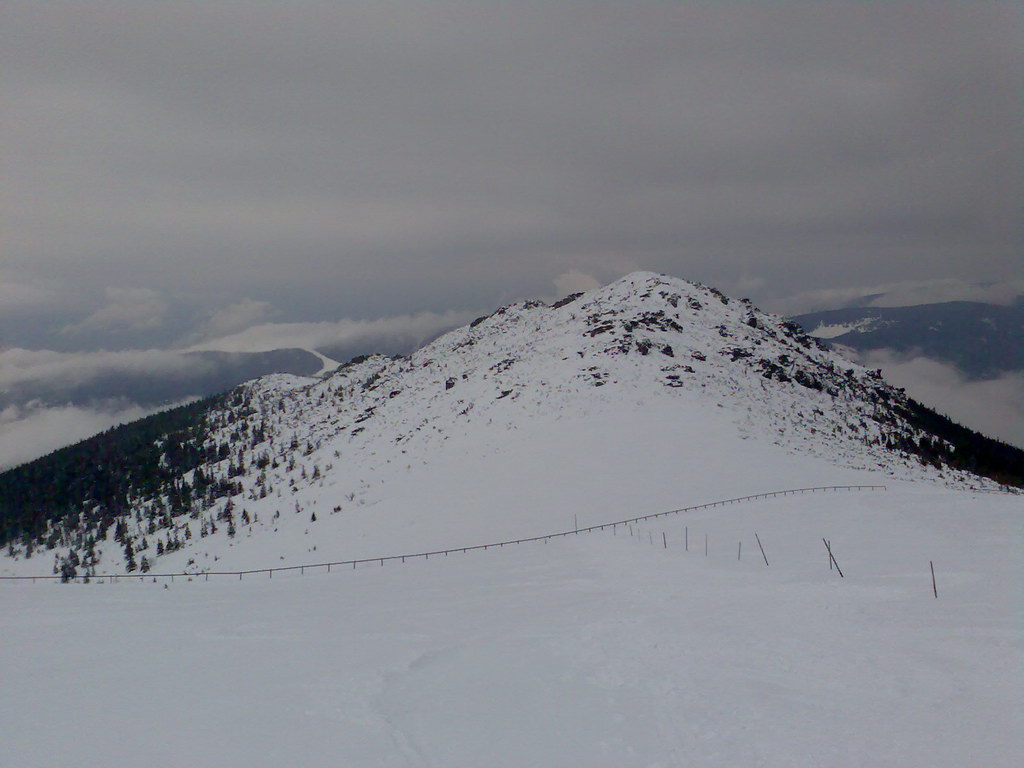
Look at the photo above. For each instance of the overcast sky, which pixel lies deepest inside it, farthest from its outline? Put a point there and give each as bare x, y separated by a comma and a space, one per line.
175, 170
248, 175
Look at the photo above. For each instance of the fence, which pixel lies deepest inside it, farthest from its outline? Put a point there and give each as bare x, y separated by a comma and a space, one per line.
111, 577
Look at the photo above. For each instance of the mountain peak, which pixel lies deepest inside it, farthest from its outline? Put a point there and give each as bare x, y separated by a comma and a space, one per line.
669, 383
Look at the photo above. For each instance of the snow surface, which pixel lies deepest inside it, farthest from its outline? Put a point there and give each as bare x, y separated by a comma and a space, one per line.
832, 330
327, 364
606, 649
599, 650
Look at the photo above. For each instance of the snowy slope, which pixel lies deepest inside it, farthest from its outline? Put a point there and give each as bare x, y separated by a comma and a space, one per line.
648, 394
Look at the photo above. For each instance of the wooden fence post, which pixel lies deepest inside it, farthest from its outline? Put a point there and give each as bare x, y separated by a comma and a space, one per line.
762, 548
832, 558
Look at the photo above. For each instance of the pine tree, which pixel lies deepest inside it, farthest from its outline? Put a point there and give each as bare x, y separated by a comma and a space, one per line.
129, 556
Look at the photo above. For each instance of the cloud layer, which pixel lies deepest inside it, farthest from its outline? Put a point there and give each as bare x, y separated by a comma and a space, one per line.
126, 310
237, 177
348, 160
21, 368
406, 331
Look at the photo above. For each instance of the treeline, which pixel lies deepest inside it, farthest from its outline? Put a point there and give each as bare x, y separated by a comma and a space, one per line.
90, 482
967, 450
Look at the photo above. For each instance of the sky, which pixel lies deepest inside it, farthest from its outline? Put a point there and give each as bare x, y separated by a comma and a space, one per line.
237, 176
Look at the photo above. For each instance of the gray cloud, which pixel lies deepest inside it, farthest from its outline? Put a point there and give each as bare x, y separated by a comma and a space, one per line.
233, 319
126, 310
21, 296
364, 161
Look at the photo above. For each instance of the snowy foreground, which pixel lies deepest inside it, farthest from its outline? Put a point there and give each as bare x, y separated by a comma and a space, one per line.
598, 650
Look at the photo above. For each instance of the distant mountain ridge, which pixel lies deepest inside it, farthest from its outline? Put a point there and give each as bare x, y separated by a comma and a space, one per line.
200, 374
680, 353
981, 340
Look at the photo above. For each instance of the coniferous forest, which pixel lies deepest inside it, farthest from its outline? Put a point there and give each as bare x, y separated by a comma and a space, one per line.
959, 447
88, 484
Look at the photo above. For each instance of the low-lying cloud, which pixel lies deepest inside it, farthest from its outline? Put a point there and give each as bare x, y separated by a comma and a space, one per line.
994, 407
44, 367
408, 331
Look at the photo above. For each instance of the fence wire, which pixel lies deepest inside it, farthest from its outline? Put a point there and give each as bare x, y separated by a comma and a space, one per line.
328, 566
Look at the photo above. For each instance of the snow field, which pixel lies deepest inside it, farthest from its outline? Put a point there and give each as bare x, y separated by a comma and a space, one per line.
600, 649
492, 484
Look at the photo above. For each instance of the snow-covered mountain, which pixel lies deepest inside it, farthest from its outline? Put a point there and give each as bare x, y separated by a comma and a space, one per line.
638, 395
664, 643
